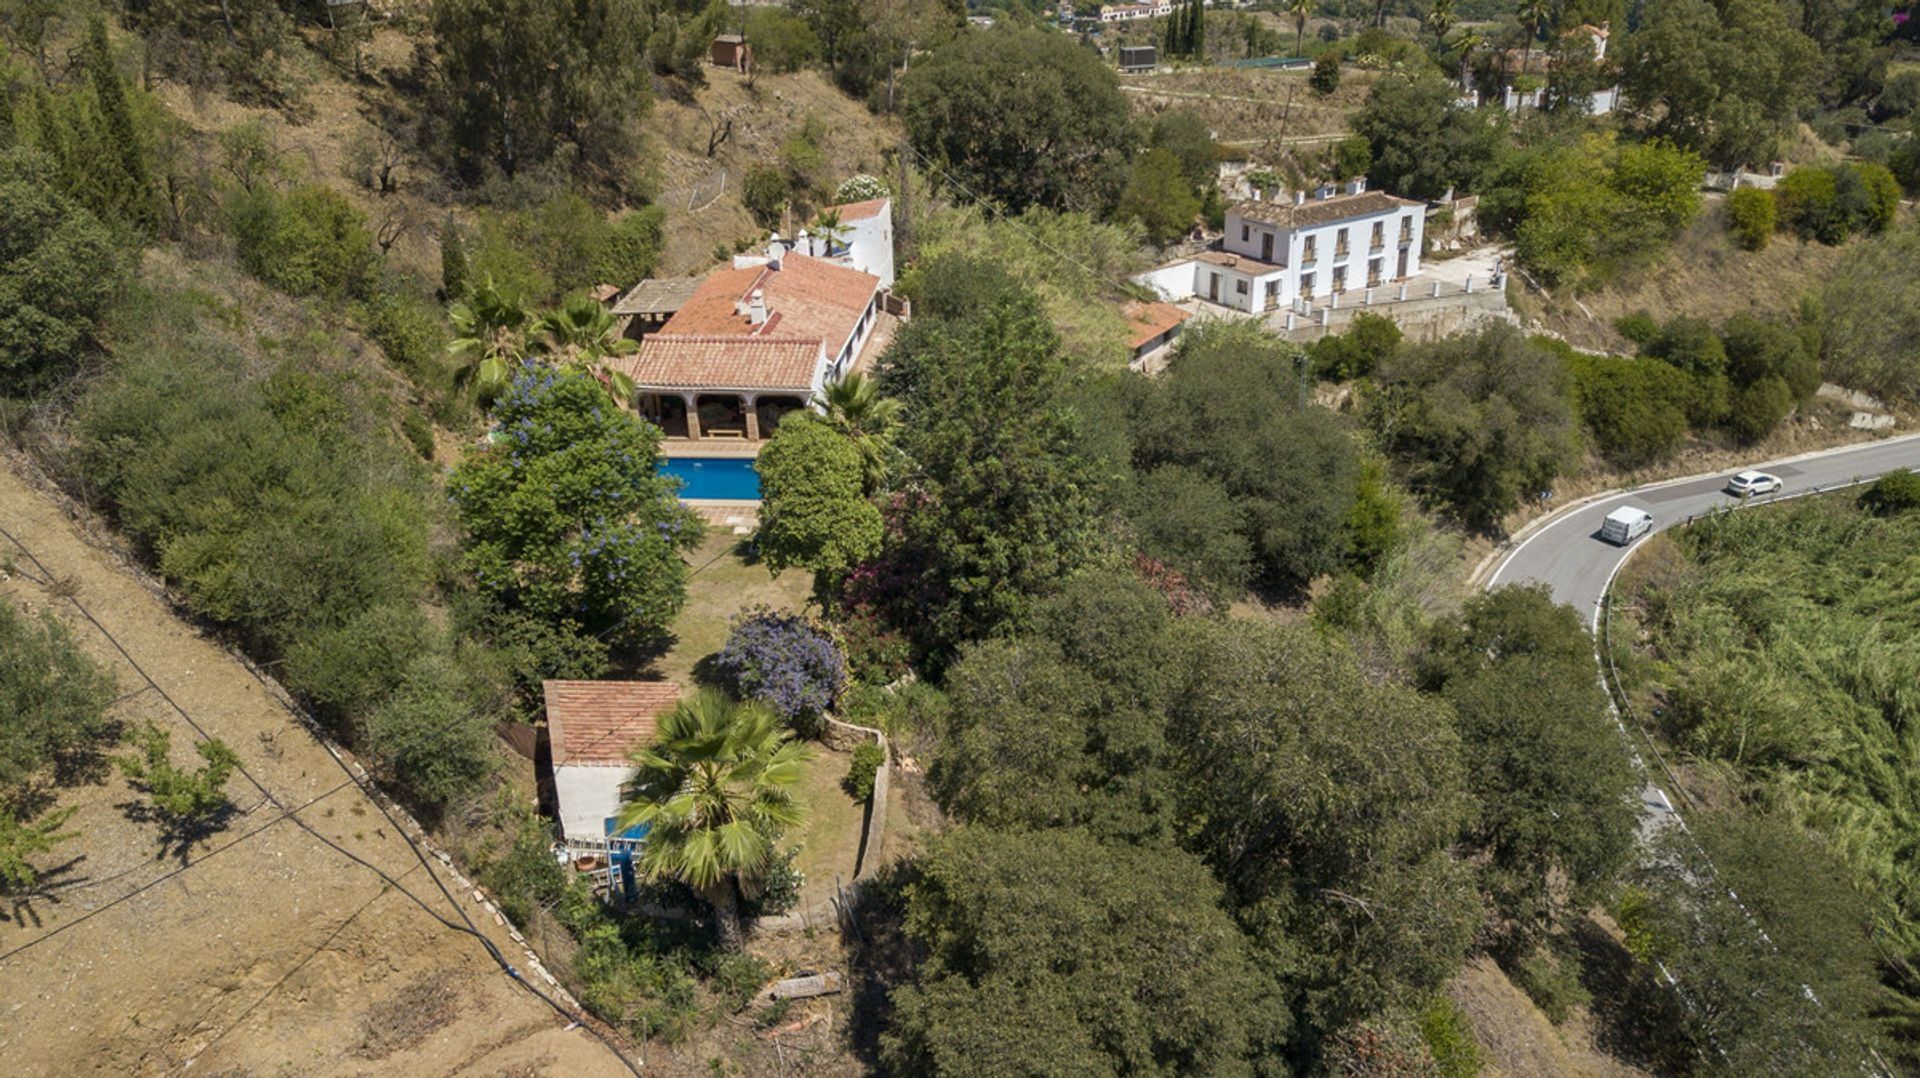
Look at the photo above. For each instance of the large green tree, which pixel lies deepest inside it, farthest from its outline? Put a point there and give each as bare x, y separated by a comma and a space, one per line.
1022, 117
521, 78
1052, 953
1423, 142
1722, 79
1769, 943
1553, 787
58, 271
1066, 727
1233, 409
566, 516
813, 514
998, 508
715, 790
1329, 804
1479, 421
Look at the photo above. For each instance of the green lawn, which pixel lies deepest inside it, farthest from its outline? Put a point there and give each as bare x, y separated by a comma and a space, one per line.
829, 839
723, 584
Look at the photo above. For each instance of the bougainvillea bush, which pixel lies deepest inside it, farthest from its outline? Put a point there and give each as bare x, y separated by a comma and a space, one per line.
797, 669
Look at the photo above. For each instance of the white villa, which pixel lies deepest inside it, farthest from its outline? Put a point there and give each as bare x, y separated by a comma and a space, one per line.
1286, 251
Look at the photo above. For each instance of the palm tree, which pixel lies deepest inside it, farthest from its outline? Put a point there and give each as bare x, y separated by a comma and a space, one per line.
854, 406
1441, 20
1467, 43
490, 337
831, 230
715, 789
1301, 10
1533, 15
580, 336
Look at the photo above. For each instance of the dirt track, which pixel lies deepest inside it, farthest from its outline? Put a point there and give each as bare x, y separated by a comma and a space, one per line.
261, 951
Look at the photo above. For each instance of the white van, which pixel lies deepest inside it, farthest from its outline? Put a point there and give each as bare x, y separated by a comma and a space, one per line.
1626, 524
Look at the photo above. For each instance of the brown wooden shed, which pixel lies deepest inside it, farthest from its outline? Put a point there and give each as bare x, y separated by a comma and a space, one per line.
731, 50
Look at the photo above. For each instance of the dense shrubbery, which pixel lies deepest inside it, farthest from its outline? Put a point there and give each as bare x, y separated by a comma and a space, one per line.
1479, 422
1752, 215
1830, 203
1785, 642
1586, 209
53, 725
1871, 307
280, 505
813, 511
307, 241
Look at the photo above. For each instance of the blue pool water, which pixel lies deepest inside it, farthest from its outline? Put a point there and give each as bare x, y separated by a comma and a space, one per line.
726, 478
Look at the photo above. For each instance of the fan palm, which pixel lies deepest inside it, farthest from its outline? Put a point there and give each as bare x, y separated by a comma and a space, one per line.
715, 789
1301, 10
1533, 15
580, 335
831, 229
854, 406
490, 337
1441, 20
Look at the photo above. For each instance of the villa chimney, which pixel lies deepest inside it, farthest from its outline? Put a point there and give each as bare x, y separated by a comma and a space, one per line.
757, 308
1356, 185
776, 249
803, 244
1300, 198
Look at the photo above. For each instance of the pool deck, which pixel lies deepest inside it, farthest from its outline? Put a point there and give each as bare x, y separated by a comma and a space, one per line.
734, 448
739, 516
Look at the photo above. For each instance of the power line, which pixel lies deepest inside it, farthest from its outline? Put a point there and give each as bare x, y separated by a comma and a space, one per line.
468, 926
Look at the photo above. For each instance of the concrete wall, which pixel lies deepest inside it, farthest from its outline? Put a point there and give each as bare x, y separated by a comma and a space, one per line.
587, 796
870, 245
1423, 318
1173, 282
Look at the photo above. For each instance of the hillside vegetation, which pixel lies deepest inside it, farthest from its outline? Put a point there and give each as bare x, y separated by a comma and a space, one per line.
1780, 650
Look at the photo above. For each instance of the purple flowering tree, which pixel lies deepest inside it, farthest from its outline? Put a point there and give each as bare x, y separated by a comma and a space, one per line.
785, 661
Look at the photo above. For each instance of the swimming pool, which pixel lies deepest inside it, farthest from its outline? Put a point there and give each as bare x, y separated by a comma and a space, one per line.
714, 478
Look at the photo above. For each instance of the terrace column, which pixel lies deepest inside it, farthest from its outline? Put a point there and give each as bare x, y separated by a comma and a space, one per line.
748, 405
693, 415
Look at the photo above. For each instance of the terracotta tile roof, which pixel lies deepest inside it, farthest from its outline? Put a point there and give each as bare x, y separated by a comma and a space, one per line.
595, 723
858, 211
1146, 321
811, 297
1321, 211
730, 361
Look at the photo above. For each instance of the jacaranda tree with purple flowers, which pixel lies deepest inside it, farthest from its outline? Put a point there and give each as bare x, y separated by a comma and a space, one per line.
566, 515
783, 660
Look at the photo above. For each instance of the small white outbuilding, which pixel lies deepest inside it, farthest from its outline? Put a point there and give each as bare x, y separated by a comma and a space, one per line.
592, 728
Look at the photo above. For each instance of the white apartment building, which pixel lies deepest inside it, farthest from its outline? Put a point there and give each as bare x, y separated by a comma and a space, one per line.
1280, 251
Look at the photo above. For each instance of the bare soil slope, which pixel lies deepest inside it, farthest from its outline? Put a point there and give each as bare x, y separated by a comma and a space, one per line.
262, 950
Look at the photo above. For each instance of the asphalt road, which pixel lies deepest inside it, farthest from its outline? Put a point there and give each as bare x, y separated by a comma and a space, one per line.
1568, 555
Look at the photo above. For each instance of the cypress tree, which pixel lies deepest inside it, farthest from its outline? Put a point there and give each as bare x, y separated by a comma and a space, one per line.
1197, 44
454, 272
129, 195
6, 111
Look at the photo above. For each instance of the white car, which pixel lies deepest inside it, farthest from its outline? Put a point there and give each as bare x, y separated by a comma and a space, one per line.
1750, 483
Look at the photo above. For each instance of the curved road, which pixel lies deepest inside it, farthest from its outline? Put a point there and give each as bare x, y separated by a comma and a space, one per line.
1567, 554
